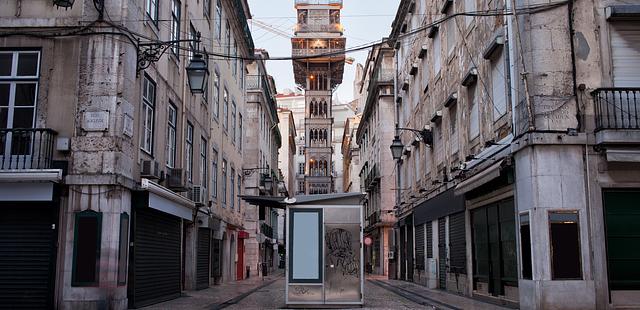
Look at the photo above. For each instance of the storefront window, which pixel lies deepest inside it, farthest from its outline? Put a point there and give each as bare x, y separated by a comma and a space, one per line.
525, 245
86, 250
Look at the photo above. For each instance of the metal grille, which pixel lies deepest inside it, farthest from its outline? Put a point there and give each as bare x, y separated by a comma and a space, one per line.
442, 254
420, 247
156, 257
202, 264
457, 243
429, 240
27, 257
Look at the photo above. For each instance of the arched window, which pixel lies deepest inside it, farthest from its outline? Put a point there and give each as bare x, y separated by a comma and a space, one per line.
325, 107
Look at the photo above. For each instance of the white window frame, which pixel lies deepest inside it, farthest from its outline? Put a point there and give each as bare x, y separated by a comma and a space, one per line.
151, 8
189, 152
172, 122
214, 174
148, 114
203, 162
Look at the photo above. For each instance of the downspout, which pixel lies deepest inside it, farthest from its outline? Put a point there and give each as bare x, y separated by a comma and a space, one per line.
512, 72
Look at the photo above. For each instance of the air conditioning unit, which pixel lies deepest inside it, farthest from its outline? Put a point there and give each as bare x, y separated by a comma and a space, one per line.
150, 169
177, 180
198, 195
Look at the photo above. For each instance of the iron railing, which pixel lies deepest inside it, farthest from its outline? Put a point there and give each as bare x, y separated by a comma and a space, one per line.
319, 27
26, 148
617, 108
319, 2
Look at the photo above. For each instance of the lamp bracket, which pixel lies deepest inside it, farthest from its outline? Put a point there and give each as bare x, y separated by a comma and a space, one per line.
150, 52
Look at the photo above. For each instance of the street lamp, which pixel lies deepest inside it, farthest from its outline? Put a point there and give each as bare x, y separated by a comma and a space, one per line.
63, 3
197, 74
268, 184
396, 148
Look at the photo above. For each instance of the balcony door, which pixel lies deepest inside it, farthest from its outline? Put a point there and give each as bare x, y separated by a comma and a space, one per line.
19, 71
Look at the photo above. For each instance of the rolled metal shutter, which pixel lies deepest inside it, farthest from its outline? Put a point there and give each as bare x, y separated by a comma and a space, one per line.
429, 240
27, 257
457, 244
420, 247
625, 53
156, 257
442, 253
202, 264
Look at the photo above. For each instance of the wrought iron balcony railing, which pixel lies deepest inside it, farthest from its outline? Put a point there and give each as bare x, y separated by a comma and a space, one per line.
26, 148
617, 108
319, 27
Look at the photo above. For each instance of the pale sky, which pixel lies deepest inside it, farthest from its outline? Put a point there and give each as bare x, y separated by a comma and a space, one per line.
364, 21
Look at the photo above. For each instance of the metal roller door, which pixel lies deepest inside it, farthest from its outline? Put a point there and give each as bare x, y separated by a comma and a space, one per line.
442, 253
155, 274
27, 257
457, 243
202, 264
420, 247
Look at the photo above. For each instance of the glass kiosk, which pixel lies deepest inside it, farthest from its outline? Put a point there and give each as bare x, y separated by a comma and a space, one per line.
325, 254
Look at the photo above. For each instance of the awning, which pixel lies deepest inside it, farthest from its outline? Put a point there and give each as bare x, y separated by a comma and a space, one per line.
243, 234
444, 204
165, 200
479, 179
622, 12
26, 191
265, 201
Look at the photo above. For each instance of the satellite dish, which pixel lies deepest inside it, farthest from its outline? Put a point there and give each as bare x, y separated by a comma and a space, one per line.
289, 200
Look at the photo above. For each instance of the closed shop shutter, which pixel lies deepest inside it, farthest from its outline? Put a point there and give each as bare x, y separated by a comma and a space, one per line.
623, 237
202, 265
216, 258
156, 268
442, 254
420, 247
625, 53
429, 240
27, 257
457, 243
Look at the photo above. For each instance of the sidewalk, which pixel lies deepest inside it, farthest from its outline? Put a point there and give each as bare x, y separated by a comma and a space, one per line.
214, 296
438, 298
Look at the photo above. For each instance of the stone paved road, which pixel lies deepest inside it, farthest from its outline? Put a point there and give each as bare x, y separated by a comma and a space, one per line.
272, 297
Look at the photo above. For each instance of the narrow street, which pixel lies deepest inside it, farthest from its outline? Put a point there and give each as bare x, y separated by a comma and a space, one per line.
269, 293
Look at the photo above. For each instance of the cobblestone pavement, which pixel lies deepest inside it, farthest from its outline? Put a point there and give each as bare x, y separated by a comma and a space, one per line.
272, 297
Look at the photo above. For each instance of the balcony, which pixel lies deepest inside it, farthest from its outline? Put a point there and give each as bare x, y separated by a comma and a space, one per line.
319, 2
26, 148
617, 108
321, 27
617, 115
266, 230
372, 177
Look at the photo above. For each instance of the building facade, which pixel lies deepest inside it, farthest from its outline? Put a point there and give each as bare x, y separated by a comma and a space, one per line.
318, 66
261, 174
350, 155
122, 181
522, 195
377, 168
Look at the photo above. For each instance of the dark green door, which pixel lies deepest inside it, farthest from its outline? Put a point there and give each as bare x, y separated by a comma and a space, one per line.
622, 215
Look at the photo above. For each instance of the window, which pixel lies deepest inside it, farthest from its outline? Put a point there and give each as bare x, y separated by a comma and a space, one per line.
232, 188
225, 99
525, 245
151, 7
207, 8
214, 175
241, 62
203, 162
233, 122
622, 236
189, 152
86, 248
148, 106
228, 37
175, 25
239, 192
218, 22
474, 118
240, 132
235, 62
469, 6
123, 249
451, 31
453, 128
565, 245
216, 94
436, 53
224, 182
193, 34
498, 87
300, 168
171, 136
19, 73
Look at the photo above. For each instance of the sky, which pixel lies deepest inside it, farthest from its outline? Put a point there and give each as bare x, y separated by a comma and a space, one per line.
363, 20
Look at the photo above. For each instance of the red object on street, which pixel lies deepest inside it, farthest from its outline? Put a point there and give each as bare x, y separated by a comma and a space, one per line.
240, 264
